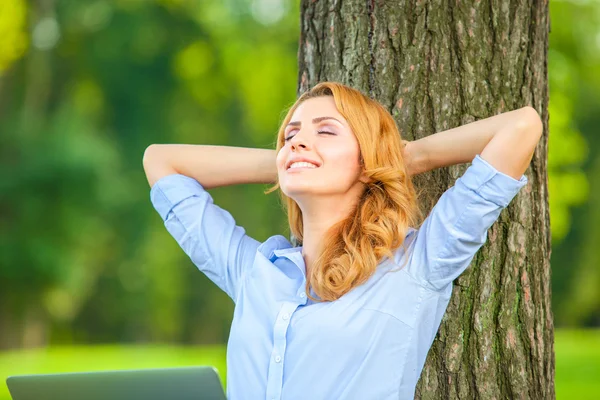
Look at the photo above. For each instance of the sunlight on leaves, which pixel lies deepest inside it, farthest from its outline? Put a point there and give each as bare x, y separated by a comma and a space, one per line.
567, 150
194, 61
13, 39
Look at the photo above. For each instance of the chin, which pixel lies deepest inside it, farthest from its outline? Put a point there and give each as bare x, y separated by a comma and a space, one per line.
296, 192
299, 189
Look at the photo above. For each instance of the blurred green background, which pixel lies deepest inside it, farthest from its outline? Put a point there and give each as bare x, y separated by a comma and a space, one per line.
89, 277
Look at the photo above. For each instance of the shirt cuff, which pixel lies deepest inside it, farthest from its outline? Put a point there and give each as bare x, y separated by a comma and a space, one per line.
171, 190
490, 183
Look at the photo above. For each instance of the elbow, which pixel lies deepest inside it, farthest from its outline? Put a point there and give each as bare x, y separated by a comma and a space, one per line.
154, 155
148, 161
531, 129
149, 155
155, 164
531, 122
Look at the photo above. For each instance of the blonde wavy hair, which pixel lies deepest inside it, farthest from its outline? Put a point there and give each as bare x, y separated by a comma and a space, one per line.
387, 208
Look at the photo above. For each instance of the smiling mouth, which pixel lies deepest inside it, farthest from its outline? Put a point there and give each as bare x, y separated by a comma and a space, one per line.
301, 165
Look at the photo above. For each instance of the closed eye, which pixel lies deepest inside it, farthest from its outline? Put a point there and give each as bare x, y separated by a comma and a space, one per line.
324, 132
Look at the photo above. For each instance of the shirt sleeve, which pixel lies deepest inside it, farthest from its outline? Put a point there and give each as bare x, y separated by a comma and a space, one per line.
206, 233
445, 244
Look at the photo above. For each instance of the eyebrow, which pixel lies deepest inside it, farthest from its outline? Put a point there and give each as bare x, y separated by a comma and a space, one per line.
315, 120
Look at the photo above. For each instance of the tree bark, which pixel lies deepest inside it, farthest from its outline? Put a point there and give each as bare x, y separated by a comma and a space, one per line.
437, 65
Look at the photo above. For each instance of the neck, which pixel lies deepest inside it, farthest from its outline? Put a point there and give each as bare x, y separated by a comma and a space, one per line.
318, 216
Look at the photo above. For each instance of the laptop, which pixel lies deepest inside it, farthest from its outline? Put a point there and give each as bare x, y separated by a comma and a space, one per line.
187, 383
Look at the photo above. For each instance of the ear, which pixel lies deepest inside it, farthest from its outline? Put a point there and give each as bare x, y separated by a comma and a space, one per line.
364, 178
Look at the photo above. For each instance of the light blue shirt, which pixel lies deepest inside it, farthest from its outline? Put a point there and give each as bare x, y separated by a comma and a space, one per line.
369, 344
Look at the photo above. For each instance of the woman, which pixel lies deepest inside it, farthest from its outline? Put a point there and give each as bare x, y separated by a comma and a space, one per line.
352, 312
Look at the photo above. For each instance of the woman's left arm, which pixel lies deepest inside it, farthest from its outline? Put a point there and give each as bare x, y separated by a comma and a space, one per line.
506, 141
499, 149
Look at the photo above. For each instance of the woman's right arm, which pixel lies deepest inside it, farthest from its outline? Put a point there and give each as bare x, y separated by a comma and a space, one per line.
211, 166
178, 175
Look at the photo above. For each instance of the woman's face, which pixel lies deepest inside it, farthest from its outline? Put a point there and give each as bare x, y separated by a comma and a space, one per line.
321, 156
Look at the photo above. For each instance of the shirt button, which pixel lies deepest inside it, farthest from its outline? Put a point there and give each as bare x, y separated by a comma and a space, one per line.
302, 295
277, 359
285, 316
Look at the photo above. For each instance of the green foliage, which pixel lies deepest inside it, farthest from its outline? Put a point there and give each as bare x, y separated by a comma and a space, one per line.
568, 184
13, 42
87, 86
574, 161
85, 258
568, 148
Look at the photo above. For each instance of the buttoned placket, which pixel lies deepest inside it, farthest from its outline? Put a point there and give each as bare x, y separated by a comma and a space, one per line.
282, 322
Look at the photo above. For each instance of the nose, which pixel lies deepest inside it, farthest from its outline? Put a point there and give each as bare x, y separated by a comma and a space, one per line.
299, 141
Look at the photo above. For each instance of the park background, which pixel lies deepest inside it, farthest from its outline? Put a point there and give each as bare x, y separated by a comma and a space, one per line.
89, 277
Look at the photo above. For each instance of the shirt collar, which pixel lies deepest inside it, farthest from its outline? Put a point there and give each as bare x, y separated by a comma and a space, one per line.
278, 246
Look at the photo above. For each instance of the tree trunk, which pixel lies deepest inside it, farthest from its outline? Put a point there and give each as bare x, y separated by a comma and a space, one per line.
436, 65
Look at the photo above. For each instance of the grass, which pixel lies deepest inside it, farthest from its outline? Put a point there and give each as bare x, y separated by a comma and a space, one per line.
98, 358
577, 361
577, 355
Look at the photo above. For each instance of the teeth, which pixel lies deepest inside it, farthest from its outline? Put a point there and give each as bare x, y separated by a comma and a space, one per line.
302, 164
